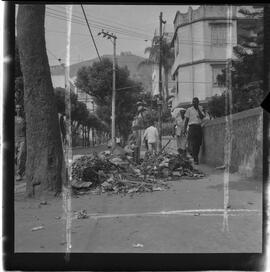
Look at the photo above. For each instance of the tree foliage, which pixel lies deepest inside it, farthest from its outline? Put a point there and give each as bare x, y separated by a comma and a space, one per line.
80, 115
96, 80
247, 69
167, 57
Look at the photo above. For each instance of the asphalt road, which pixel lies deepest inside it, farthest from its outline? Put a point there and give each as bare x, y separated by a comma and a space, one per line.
187, 218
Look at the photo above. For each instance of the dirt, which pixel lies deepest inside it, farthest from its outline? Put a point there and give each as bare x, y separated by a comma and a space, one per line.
131, 224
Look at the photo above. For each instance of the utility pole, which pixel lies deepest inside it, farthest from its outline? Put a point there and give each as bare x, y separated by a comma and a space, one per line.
109, 36
160, 100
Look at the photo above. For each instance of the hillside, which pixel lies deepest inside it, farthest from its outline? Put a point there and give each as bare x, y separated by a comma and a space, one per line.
143, 74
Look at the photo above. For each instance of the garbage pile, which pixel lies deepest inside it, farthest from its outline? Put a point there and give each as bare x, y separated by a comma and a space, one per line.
116, 173
169, 165
111, 173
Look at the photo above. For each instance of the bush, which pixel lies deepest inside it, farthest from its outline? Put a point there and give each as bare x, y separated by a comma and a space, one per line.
216, 105
167, 129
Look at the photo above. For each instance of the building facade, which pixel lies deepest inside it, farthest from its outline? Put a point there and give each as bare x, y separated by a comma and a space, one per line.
203, 41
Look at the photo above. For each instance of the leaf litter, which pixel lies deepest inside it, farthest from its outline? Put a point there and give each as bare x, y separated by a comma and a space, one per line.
118, 174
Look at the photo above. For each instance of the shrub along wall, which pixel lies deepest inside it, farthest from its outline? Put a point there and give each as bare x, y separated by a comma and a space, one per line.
247, 142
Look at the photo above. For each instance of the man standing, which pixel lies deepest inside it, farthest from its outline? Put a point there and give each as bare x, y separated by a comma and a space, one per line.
134, 144
20, 148
151, 135
194, 116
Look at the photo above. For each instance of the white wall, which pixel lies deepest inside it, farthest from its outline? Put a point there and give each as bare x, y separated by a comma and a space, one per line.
191, 43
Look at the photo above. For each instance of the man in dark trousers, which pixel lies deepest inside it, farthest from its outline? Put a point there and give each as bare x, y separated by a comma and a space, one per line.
193, 119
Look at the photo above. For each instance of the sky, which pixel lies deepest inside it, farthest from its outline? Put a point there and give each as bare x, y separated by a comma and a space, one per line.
134, 26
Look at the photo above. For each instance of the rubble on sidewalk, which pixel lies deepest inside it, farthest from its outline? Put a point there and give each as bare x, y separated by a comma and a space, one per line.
171, 165
82, 214
116, 173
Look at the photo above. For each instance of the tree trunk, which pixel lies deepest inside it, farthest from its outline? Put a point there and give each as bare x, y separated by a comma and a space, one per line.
44, 149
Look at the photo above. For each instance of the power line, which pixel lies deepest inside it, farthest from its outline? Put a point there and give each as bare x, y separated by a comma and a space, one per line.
81, 34
62, 18
183, 42
133, 29
90, 32
100, 25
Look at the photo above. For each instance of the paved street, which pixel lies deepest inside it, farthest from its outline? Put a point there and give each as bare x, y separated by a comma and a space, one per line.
191, 220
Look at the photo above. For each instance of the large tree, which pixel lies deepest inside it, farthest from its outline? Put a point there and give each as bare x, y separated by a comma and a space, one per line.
18, 77
44, 149
96, 80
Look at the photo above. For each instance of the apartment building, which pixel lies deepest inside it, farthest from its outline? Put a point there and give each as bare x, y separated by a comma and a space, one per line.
203, 41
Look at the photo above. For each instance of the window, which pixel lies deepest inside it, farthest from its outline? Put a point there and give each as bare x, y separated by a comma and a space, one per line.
218, 70
218, 35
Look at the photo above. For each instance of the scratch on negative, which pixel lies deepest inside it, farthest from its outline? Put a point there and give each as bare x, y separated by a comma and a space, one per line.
68, 153
228, 118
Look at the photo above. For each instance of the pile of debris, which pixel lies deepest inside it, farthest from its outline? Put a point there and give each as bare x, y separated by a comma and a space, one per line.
171, 165
116, 173
111, 173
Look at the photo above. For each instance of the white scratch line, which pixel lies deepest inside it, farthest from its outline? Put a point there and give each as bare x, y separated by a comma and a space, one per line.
68, 154
228, 124
206, 212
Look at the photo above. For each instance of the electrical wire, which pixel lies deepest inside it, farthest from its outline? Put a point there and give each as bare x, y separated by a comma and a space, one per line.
182, 41
85, 35
132, 29
98, 25
111, 21
91, 33
59, 17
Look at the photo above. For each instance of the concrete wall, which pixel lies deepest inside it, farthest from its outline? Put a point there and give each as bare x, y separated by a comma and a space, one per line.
247, 143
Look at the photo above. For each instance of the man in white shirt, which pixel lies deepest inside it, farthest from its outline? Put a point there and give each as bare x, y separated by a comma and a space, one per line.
151, 135
193, 119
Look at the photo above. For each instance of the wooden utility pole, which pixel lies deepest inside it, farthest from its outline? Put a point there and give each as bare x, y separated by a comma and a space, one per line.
109, 36
160, 81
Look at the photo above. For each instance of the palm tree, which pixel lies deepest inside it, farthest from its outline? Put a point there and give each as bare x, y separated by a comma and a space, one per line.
167, 60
